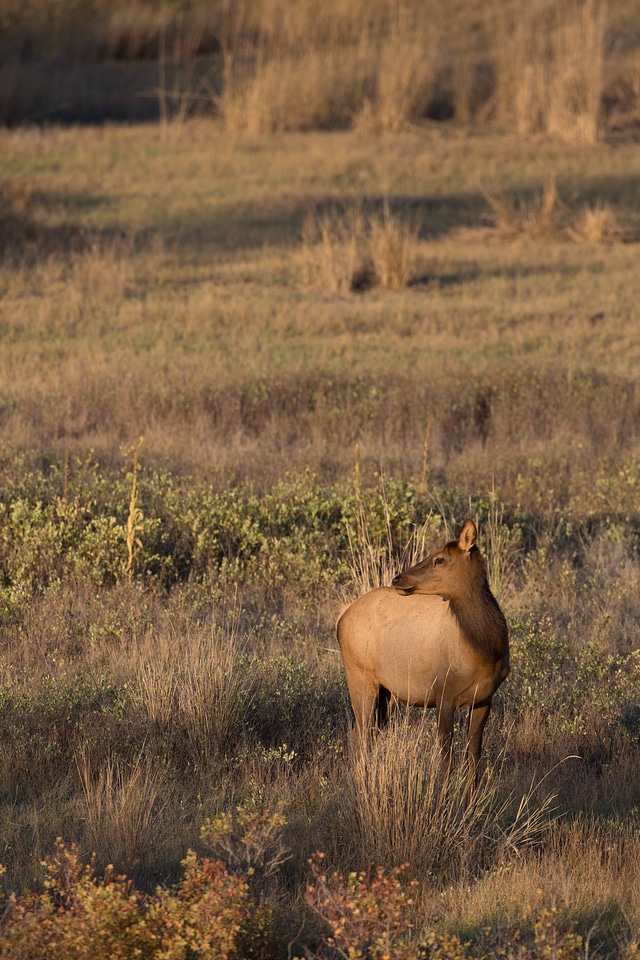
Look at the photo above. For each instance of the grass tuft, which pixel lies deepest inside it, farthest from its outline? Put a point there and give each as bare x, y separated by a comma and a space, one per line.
537, 218
596, 223
401, 811
351, 250
124, 808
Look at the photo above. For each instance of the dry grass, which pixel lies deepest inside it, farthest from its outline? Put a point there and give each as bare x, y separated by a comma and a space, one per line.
194, 688
403, 813
124, 810
401, 68
353, 251
270, 66
537, 218
550, 67
596, 224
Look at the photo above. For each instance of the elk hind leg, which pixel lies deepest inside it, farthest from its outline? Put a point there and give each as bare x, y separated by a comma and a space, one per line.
385, 706
364, 695
445, 736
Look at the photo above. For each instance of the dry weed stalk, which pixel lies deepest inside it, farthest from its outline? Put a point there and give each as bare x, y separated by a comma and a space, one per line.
134, 520
422, 489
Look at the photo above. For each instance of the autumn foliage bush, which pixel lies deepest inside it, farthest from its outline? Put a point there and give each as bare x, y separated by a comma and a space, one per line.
80, 915
209, 914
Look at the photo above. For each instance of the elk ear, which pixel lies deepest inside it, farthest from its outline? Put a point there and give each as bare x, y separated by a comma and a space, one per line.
468, 536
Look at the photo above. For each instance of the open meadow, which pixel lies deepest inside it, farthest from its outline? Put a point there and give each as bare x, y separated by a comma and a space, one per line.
337, 345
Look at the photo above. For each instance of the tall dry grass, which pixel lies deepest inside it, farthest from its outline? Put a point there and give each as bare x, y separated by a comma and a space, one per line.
596, 223
192, 687
374, 68
398, 809
275, 66
537, 218
549, 67
124, 809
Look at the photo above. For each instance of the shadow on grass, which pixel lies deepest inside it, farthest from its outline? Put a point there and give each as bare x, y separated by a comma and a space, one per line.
227, 228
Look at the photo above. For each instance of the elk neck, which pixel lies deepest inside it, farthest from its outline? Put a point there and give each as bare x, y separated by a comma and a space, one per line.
480, 619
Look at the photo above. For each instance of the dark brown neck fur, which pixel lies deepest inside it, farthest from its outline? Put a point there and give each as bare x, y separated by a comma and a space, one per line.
480, 618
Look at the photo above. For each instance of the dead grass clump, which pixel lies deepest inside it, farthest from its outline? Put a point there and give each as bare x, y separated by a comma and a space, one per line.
334, 250
193, 690
535, 218
372, 68
124, 809
393, 244
549, 65
353, 251
400, 68
301, 90
595, 224
401, 811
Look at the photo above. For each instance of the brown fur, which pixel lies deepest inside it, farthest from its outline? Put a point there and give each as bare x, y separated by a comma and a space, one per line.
437, 638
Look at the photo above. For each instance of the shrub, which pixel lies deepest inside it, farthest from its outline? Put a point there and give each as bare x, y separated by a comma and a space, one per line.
209, 914
373, 915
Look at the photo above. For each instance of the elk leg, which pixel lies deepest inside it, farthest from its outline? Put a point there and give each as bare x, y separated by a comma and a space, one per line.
477, 718
445, 735
385, 705
364, 700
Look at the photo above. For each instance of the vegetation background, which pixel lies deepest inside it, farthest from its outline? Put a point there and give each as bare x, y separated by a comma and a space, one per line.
372, 270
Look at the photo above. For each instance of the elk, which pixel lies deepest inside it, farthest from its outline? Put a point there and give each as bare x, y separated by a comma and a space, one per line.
435, 638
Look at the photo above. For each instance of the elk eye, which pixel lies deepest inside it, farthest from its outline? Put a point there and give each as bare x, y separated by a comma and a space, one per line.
437, 561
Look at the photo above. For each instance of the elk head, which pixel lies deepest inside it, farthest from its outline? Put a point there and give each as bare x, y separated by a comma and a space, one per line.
444, 572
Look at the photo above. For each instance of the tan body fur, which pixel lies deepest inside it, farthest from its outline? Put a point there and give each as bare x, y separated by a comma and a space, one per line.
437, 638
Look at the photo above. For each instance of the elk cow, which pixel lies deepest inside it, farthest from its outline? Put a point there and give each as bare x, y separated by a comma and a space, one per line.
436, 638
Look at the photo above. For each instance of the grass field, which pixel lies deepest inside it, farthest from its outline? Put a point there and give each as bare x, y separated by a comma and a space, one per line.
167, 647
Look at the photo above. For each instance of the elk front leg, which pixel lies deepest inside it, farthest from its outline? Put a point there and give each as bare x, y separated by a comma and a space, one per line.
477, 719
